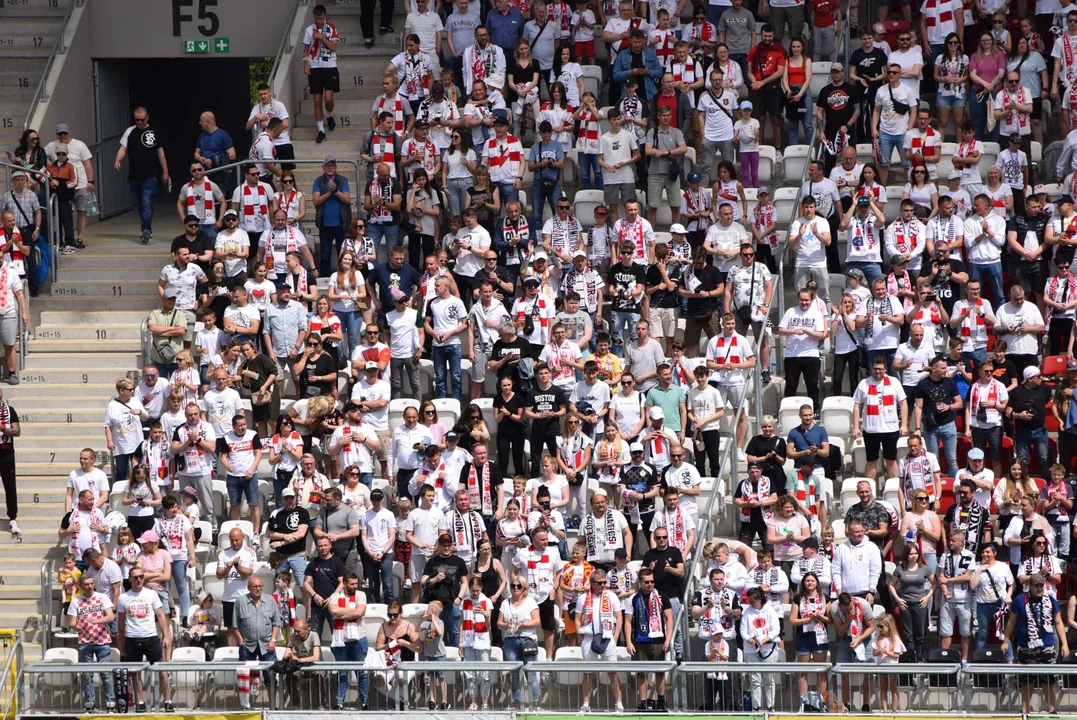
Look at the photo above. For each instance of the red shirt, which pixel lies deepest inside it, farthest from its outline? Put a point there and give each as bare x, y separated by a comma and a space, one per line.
671, 103
823, 12
765, 61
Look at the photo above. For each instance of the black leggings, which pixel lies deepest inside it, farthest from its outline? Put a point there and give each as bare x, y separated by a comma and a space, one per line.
419, 246
541, 438
7, 472
913, 626
712, 449
850, 361
810, 368
1058, 334
510, 439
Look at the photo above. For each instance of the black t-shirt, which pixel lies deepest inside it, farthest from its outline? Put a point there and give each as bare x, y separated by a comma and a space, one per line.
868, 64
552, 399
7, 444
1022, 225
641, 479
324, 365
666, 583
625, 280
945, 289
219, 299
198, 246
142, 147
455, 573
759, 446
325, 575
519, 348
512, 407
1005, 372
288, 521
476, 199
520, 75
708, 280
838, 103
1023, 398
639, 606
662, 298
499, 274
943, 391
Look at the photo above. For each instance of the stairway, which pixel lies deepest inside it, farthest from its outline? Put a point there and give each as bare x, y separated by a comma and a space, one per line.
361, 72
30, 28
86, 336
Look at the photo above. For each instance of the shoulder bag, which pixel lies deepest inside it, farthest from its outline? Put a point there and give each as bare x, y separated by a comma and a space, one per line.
164, 347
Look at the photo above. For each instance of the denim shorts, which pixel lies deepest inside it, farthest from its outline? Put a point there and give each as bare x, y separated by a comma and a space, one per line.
808, 644
239, 486
951, 101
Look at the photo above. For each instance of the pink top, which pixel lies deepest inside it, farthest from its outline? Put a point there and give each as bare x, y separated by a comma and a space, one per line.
987, 66
154, 564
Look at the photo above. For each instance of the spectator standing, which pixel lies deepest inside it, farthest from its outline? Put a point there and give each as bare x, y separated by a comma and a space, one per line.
323, 576
91, 614
1034, 623
258, 622
854, 622
79, 155
648, 635
140, 616
349, 641
332, 199
142, 143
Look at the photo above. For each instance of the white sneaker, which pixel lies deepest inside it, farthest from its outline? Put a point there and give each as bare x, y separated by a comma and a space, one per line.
618, 708
584, 709
14, 526
741, 457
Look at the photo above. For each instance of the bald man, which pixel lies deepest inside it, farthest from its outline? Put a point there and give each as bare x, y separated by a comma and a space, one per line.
215, 147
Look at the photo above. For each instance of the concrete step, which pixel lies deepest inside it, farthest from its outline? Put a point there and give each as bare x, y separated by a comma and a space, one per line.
88, 429
104, 288
32, 24
344, 140
43, 469
16, 63
90, 259
93, 318
15, 93
70, 333
58, 402
119, 361
128, 303
44, 510
75, 346
61, 416
28, 42
28, 392
139, 274
35, 8
53, 375
41, 493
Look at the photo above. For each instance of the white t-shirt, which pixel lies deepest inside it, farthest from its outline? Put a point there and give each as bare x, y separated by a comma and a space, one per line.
140, 612
684, 478
979, 394
598, 395
626, 411
705, 403
241, 450
726, 238
880, 404
470, 261
403, 334
365, 392
198, 461
95, 480
717, 114
890, 122
234, 583
618, 148
865, 242
273, 109
125, 424
520, 614
354, 453
447, 314
220, 406
1027, 315
880, 335
810, 250
920, 357
242, 317
907, 59
377, 524
802, 346
733, 349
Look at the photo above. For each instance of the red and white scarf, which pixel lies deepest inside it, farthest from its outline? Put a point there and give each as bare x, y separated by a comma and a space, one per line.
762, 493
683, 72
969, 322
878, 403
207, 199
329, 32
634, 234
806, 491
587, 141
474, 626
918, 476
396, 108
478, 488
763, 217
992, 397
856, 622
1007, 125
673, 522
696, 203
345, 630
809, 606
381, 194
251, 200
1067, 293
605, 622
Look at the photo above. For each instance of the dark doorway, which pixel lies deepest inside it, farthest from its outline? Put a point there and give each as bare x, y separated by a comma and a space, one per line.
177, 91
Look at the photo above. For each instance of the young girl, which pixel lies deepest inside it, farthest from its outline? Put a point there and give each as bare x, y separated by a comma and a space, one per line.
574, 578
449, 239
558, 111
68, 576
202, 620
186, 380
888, 649
346, 290
765, 230
587, 142
402, 548
432, 637
207, 343
141, 498
746, 136
285, 452
571, 76
285, 601
1001, 33
125, 553
423, 207
290, 199
261, 290
511, 531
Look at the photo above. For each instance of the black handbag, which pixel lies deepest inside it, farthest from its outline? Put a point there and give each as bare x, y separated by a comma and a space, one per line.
599, 644
528, 646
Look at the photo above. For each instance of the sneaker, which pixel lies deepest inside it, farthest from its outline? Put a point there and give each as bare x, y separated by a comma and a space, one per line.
618, 709
366, 707
388, 30
765, 377
443, 706
140, 707
79, 245
13, 379
14, 527
642, 707
320, 137
67, 250
110, 706
370, 43
741, 457
330, 123
865, 708
431, 705
88, 707
145, 237
168, 706
584, 709
650, 706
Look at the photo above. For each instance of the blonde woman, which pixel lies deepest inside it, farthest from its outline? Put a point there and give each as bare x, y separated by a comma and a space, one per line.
346, 290
523, 85
290, 199
186, 380
574, 450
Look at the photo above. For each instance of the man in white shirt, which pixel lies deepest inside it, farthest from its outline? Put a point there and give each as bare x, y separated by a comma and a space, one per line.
378, 538
729, 355
911, 61
906, 238
221, 404
724, 239
881, 407
985, 234
804, 329
620, 153
446, 318
913, 360
882, 320
372, 396
406, 447
405, 347
252, 201
864, 220
892, 118
712, 124
1064, 53
955, 569
124, 415
86, 477
1020, 324
353, 442
827, 204
240, 451
983, 414
808, 237
268, 108
857, 564
540, 566
923, 144
235, 564
969, 321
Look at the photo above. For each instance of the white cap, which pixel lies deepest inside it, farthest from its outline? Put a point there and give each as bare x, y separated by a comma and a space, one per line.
1030, 372
656, 413
539, 255
677, 229
635, 447
954, 175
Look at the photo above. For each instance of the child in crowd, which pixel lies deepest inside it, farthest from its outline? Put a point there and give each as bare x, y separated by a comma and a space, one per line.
125, 554
588, 145
402, 548
202, 618
888, 650
746, 137
765, 229
207, 343
432, 637
68, 576
285, 601
583, 32
621, 579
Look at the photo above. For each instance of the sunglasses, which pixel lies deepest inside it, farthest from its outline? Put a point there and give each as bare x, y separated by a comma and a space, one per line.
678, 455
953, 42
893, 72
253, 173
921, 498
517, 586
360, 226
428, 412
490, 259
288, 182
661, 537
196, 170
61, 153
313, 344
1040, 544
136, 577
371, 332
393, 616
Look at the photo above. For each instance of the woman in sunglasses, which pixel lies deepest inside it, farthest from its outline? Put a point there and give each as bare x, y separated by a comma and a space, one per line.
519, 622
398, 640
428, 416
291, 200
952, 77
474, 426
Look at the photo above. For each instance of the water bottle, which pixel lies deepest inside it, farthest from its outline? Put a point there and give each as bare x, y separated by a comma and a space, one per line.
91, 203
910, 537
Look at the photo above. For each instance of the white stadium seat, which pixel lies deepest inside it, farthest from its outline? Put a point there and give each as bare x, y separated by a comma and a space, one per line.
785, 200
789, 412
836, 415
794, 163
768, 159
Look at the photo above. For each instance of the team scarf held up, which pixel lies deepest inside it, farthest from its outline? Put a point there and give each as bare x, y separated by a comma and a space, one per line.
591, 534
1038, 615
478, 488
809, 606
474, 627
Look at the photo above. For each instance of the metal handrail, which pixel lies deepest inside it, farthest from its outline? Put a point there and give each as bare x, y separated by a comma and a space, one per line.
286, 45
58, 48
46, 604
8, 701
357, 191
146, 341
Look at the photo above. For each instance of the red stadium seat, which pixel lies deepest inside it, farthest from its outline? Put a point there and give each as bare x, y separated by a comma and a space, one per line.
1052, 421
1053, 365
964, 444
990, 340
1041, 483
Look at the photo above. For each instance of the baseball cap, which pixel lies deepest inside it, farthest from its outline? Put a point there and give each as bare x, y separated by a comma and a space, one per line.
1065, 199
635, 447
149, 536
377, 494
532, 280
329, 159
60, 148
863, 200
694, 177
232, 213
1036, 579
656, 413
170, 294
856, 273
62, 128
1031, 372
746, 105
496, 81
762, 191
837, 66
677, 229
398, 295
452, 435
976, 454
443, 539
754, 464
540, 255
287, 492
1015, 138
579, 253
370, 365
421, 124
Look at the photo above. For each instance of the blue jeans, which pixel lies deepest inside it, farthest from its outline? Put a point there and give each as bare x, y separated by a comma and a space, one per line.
948, 435
447, 356
297, 564
618, 320
978, 111
330, 238
1024, 437
351, 322
372, 568
508, 192
179, 581
539, 198
166, 369
353, 651
977, 356
246, 655
588, 168
985, 618
318, 617
887, 143
101, 654
805, 122
990, 275
451, 618
144, 191
391, 235
512, 654
209, 230
870, 269
238, 486
458, 199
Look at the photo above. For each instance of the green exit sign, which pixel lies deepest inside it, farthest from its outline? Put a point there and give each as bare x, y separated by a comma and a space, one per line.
221, 45
196, 46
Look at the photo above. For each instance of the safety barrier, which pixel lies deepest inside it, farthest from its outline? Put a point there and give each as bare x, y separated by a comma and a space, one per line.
356, 180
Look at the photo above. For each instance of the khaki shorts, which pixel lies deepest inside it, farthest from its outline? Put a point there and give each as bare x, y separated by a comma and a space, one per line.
663, 322
384, 437
655, 183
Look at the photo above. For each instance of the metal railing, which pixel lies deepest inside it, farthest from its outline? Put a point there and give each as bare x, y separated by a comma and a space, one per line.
47, 599
9, 678
145, 342
356, 181
59, 47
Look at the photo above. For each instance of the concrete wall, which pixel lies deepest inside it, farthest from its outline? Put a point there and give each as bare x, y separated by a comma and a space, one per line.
71, 99
156, 28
